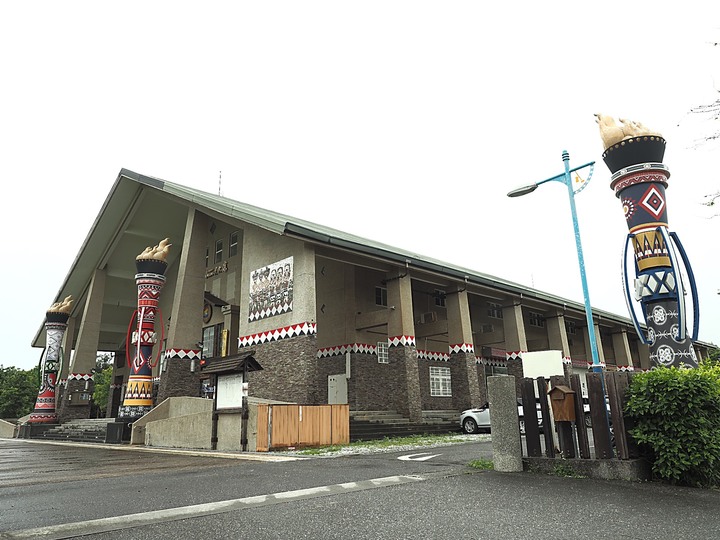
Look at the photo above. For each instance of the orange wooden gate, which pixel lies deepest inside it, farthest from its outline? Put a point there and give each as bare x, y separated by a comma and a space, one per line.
283, 426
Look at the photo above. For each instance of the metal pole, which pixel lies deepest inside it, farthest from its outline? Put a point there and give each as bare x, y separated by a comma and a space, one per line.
581, 263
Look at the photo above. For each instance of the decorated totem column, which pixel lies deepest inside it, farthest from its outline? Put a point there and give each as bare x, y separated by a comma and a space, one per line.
150, 278
55, 325
652, 277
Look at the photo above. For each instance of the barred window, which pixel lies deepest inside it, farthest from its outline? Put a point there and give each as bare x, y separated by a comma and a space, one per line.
382, 352
440, 384
536, 319
494, 310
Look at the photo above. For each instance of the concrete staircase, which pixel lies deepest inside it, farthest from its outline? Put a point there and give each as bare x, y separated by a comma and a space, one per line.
79, 430
370, 425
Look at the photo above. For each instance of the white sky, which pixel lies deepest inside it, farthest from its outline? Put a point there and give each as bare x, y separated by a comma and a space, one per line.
406, 122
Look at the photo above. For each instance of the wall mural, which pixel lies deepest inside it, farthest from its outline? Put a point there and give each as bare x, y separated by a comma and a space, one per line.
271, 290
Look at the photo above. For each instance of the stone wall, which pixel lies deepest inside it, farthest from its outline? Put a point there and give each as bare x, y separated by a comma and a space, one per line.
290, 372
178, 380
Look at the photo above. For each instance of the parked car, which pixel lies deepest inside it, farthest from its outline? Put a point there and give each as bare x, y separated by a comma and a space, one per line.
478, 419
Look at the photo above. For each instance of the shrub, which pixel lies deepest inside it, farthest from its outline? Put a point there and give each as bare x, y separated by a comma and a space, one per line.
676, 414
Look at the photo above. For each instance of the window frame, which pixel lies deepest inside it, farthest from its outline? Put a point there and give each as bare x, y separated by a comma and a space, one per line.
233, 245
218, 251
382, 352
381, 296
440, 381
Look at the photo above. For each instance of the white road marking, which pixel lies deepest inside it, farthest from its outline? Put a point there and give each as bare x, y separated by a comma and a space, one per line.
418, 457
94, 526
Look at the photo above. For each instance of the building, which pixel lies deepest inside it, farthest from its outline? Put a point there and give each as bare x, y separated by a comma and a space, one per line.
331, 317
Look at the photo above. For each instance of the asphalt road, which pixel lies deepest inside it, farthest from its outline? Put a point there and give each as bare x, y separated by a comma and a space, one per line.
64, 491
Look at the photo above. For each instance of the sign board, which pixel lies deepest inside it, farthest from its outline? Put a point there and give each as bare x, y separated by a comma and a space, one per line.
230, 390
542, 364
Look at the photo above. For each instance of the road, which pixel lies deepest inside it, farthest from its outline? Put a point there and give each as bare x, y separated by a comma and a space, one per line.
63, 491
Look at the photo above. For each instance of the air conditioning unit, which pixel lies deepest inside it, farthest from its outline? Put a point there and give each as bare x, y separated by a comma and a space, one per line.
428, 317
487, 329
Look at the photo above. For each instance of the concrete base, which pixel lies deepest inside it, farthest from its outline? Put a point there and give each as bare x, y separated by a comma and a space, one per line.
8, 430
118, 432
30, 431
630, 470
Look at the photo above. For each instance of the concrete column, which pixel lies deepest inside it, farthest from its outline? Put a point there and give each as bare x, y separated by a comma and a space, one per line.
67, 346
186, 319
644, 353
514, 327
557, 334
463, 370
79, 380
623, 358
598, 341
402, 349
506, 444
515, 340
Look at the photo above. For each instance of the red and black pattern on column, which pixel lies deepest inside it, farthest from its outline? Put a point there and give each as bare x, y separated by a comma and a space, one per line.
45, 407
639, 180
139, 393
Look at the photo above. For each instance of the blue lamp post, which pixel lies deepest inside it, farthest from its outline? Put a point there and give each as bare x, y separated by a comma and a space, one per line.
565, 179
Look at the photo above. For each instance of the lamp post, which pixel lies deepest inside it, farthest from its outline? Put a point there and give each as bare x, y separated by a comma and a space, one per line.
565, 179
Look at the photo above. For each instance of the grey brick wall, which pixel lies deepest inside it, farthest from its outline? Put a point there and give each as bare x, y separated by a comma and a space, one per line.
178, 380
290, 372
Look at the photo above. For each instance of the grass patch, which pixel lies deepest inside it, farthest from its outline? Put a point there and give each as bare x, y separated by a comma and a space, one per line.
482, 464
386, 443
566, 471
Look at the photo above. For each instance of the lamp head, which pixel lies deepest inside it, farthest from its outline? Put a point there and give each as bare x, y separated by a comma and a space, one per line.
519, 192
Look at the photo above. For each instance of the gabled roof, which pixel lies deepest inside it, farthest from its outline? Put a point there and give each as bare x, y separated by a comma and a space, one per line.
129, 189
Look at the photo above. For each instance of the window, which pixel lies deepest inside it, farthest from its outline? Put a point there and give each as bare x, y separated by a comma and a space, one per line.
439, 297
536, 319
382, 352
380, 296
207, 257
212, 340
440, 382
571, 327
233, 246
494, 310
218, 251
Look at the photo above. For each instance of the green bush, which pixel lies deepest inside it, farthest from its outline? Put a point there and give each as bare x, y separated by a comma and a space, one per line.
676, 417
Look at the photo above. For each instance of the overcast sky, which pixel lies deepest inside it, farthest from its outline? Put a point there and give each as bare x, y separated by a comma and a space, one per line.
405, 122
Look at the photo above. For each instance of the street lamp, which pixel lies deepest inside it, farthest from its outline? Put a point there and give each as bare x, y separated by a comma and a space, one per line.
565, 179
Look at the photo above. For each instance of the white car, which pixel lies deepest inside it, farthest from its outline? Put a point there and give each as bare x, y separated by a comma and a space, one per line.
478, 419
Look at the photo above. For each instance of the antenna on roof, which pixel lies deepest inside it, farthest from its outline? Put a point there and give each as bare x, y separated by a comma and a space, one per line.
220, 184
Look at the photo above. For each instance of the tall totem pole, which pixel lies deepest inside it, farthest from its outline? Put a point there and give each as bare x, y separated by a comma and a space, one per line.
55, 325
634, 156
150, 278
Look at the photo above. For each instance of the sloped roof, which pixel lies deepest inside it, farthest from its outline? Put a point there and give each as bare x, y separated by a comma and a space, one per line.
288, 225
130, 186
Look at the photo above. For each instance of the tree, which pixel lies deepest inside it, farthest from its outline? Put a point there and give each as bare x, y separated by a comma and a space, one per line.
18, 391
103, 377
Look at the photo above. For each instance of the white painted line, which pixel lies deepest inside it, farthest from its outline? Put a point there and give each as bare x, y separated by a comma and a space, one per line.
418, 457
247, 456
95, 526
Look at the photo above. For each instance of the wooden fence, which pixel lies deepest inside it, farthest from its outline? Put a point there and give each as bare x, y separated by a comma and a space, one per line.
605, 419
283, 426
